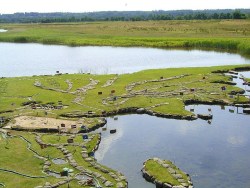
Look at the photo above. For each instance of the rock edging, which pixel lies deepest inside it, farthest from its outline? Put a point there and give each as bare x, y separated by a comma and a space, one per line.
183, 183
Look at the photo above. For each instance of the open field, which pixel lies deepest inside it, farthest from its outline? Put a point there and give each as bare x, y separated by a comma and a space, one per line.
229, 35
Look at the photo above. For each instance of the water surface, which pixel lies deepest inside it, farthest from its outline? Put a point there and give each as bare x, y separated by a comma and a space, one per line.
3, 30
36, 59
215, 155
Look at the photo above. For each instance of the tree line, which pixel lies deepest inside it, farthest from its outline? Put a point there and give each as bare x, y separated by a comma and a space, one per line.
34, 17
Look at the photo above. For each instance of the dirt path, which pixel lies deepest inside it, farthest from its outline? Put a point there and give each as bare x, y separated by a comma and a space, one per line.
29, 122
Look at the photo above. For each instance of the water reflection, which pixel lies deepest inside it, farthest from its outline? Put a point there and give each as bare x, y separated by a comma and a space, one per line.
214, 154
47, 59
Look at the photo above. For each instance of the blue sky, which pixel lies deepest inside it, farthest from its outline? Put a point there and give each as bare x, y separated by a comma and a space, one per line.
11, 6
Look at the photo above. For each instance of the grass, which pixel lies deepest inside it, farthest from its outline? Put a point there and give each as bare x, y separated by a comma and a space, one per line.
229, 35
15, 156
162, 96
161, 174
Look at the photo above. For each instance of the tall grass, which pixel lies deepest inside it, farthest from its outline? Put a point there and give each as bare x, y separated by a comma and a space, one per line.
229, 35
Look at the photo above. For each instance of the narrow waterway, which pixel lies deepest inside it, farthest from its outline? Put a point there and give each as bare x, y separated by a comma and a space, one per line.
37, 59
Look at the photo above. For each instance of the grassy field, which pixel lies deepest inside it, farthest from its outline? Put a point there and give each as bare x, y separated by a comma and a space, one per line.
162, 91
15, 156
229, 35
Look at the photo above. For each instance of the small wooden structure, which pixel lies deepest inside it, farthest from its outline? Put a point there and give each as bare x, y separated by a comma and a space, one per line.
70, 140
205, 116
85, 137
246, 110
223, 88
112, 131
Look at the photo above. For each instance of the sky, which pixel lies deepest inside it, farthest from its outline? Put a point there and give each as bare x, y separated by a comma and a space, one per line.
12, 6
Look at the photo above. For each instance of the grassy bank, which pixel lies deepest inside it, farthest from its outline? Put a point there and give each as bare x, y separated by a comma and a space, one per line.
228, 35
161, 91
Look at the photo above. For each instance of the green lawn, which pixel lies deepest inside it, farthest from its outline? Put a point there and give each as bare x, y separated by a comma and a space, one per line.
144, 89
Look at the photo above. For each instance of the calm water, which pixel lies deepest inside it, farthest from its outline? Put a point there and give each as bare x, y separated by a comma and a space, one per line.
36, 59
215, 155
2, 30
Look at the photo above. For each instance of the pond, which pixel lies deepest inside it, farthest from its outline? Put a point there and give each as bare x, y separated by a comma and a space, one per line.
37, 59
215, 155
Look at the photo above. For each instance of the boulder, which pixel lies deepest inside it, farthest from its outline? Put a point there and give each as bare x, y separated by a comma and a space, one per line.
120, 185
140, 111
108, 184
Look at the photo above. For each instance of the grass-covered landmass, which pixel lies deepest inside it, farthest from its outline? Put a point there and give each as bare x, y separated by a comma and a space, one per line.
163, 91
164, 172
23, 153
229, 35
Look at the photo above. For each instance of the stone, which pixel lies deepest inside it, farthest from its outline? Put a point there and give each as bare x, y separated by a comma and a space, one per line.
85, 155
123, 178
158, 184
108, 184
112, 175
103, 179
166, 185
96, 174
171, 171
45, 167
166, 165
88, 159
89, 171
140, 111
104, 170
182, 181
47, 163
120, 185
184, 184
55, 185
177, 176
47, 184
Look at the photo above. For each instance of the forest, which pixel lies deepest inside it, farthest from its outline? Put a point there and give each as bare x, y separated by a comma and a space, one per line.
35, 17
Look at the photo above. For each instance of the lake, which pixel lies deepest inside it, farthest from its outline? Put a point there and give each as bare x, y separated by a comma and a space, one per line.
37, 59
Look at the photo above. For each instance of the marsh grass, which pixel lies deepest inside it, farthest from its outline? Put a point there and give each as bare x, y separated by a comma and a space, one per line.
228, 35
